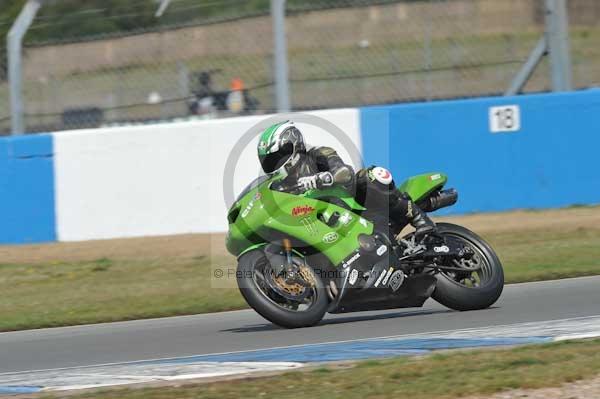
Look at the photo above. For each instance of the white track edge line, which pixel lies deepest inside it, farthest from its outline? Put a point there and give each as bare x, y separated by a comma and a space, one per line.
297, 346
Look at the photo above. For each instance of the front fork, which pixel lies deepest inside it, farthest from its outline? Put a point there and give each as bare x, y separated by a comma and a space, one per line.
281, 258
292, 274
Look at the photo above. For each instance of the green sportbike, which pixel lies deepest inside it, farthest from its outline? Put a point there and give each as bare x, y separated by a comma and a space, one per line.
302, 254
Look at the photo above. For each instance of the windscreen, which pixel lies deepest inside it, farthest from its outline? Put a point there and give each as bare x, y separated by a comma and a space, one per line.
256, 182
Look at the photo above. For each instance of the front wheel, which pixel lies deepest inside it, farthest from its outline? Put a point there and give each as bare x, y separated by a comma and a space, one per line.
287, 305
481, 284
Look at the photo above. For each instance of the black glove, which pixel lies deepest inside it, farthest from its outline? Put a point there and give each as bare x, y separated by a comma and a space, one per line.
320, 180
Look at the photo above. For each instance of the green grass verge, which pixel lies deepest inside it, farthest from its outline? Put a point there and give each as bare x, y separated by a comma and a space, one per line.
547, 255
442, 376
103, 290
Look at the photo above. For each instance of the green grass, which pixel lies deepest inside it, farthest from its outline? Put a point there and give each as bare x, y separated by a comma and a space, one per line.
103, 290
443, 376
547, 255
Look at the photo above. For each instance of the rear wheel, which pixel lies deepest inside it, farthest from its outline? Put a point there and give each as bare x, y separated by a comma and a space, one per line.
289, 305
480, 284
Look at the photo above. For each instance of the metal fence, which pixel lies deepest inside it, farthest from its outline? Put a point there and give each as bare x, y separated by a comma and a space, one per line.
340, 53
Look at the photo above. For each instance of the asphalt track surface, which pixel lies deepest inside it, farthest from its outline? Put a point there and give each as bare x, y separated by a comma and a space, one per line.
245, 330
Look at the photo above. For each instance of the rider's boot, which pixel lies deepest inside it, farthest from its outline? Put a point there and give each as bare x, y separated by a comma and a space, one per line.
421, 222
402, 207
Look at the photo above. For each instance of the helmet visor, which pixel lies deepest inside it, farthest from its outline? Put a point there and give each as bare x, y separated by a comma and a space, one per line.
275, 160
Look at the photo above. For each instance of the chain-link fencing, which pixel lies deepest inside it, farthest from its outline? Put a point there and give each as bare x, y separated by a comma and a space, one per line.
584, 33
340, 53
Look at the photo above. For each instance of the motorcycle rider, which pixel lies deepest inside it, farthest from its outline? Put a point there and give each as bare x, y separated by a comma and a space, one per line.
281, 149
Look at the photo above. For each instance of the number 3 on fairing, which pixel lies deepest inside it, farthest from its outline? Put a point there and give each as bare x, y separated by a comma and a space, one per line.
505, 118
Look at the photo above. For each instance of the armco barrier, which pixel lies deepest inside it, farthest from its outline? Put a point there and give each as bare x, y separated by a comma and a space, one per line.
26, 190
168, 179
543, 154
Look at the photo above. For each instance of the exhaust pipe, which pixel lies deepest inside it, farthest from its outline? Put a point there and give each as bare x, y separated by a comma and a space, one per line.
439, 200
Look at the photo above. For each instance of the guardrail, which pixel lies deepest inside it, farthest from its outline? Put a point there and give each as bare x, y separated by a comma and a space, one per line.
534, 151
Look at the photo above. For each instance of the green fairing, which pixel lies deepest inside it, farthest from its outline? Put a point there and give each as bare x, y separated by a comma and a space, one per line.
251, 247
418, 187
337, 192
262, 211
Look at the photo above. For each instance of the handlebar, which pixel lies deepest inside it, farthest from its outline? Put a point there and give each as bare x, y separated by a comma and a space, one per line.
295, 187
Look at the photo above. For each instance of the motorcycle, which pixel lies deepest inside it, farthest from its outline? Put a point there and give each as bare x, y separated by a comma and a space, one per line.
303, 254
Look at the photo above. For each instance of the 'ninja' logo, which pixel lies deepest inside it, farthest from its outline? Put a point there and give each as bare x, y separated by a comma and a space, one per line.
302, 210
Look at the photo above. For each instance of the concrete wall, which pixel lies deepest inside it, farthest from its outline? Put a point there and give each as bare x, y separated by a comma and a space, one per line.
27, 190
550, 161
161, 179
170, 179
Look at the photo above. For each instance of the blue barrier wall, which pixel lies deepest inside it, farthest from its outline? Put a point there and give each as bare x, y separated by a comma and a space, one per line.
551, 161
26, 190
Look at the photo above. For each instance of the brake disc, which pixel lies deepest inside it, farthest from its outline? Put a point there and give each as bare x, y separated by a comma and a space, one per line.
469, 264
296, 290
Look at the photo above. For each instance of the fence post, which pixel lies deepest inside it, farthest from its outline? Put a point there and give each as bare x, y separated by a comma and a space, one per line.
282, 89
554, 43
557, 34
14, 48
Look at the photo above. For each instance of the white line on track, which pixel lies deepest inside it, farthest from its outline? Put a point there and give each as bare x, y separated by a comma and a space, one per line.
498, 330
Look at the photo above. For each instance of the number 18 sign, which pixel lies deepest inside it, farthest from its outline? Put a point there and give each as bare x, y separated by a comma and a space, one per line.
505, 118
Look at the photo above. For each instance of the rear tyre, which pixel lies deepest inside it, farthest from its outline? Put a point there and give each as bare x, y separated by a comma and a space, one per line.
471, 290
272, 306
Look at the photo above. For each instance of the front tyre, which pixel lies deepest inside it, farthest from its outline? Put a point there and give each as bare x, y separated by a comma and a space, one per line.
469, 290
256, 288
